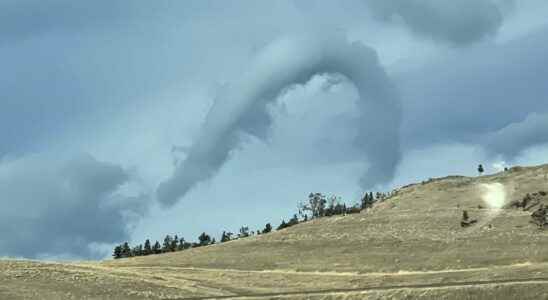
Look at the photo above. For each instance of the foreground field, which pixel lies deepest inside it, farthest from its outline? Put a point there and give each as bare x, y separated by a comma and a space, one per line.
30, 280
409, 246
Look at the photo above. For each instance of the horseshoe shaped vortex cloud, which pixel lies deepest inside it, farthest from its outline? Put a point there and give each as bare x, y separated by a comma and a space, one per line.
284, 63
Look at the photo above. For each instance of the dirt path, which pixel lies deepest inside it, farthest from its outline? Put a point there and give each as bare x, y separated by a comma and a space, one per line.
383, 288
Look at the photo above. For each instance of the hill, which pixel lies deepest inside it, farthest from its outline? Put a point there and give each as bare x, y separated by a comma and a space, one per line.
410, 245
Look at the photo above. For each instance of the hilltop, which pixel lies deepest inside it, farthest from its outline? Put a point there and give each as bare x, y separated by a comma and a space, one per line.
409, 245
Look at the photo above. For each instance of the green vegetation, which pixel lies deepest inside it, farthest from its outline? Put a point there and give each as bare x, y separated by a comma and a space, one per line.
317, 206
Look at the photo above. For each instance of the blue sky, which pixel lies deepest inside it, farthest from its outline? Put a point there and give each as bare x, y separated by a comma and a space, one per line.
246, 108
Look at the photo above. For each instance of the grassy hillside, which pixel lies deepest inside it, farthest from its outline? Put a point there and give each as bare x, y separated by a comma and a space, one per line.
411, 245
418, 229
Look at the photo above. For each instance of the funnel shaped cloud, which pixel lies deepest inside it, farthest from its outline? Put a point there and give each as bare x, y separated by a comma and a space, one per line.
287, 62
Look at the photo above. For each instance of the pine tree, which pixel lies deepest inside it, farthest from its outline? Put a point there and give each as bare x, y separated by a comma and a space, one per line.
137, 250
147, 250
244, 232
117, 252
293, 221
167, 243
204, 239
225, 237
480, 169
126, 250
367, 201
282, 225
157, 248
267, 228
183, 245
174, 244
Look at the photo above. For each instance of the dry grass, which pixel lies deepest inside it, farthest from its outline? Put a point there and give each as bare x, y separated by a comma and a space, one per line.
410, 246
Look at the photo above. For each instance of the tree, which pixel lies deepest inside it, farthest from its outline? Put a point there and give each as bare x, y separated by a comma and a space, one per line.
137, 250
244, 232
174, 244
267, 228
157, 248
167, 243
204, 239
147, 250
225, 237
316, 205
367, 201
282, 225
117, 252
293, 221
480, 169
183, 245
126, 251
466, 221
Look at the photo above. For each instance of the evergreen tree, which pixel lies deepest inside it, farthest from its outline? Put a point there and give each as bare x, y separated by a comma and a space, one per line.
167, 243
147, 250
117, 252
267, 228
225, 237
204, 239
480, 169
282, 225
244, 232
182, 244
157, 248
293, 221
126, 251
174, 244
367, 201
137, 250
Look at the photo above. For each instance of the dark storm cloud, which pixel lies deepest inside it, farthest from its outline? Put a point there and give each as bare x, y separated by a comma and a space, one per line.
57, 207
93, 76
457, 22
23, 19
473, 94
516, 137
285, 63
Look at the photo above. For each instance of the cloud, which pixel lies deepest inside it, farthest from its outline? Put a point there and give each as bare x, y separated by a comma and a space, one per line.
467, 96
87, 75
59, 207
511, 140
287, 62
456, 22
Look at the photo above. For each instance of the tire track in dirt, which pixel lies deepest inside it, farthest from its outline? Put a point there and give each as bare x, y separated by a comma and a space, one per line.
379, 288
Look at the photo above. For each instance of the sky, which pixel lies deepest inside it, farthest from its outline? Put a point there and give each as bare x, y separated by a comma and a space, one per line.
125, 120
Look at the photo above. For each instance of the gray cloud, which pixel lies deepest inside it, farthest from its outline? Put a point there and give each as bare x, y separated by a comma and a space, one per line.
457, 22
283, 64
516, 137
86, 75
60, 207
469, 95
